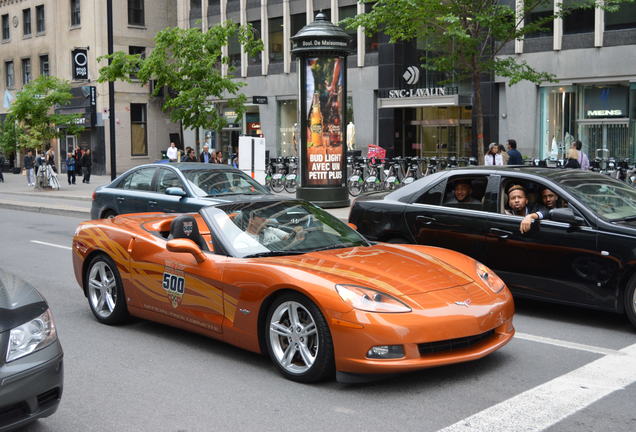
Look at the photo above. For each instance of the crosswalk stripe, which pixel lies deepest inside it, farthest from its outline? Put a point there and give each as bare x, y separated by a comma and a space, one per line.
547, 404
566, 344
51, 244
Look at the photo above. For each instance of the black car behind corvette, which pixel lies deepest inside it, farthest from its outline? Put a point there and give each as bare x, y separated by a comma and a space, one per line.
583, 253
31, 372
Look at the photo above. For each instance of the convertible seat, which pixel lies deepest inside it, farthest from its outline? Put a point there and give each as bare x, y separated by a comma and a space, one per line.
186, 227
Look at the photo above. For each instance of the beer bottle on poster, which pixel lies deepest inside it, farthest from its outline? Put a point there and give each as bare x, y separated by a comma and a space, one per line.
315, 122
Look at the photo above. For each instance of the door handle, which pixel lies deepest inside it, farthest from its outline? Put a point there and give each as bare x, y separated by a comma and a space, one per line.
427, 220
121, 199
496, 232
152, 203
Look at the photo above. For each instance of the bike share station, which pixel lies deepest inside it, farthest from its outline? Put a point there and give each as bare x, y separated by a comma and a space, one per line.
321, 50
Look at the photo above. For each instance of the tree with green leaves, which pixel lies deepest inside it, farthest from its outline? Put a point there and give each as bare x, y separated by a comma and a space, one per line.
32, 121
466, 37
187, 63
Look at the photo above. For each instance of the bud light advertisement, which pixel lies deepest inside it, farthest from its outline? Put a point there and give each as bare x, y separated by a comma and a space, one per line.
324, 99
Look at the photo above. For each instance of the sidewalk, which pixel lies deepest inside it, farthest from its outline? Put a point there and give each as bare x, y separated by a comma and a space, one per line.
72, 200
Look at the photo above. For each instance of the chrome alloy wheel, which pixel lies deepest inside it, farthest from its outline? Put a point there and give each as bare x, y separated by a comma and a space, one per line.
102, 289
293, 337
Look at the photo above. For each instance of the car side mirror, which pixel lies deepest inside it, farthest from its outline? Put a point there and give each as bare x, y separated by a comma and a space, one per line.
186, 246
566, 215
176, 191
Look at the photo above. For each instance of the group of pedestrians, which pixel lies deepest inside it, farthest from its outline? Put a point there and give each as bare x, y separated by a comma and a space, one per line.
497, 155
206, 156
79, 162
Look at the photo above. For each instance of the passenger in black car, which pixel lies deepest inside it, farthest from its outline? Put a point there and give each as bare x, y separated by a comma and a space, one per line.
462, 193
518, 206
550, 199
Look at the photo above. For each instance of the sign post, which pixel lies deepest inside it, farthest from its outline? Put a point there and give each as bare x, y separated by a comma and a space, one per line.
321, 50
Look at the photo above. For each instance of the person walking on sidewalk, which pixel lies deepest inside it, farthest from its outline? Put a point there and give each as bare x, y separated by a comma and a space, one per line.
28, 166
86, 164
70, 169
1, 165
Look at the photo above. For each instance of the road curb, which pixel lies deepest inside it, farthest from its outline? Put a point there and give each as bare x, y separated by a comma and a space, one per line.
49, 195
53, 210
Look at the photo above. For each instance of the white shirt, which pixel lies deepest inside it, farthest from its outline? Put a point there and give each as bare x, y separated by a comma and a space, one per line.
172, 153
488, 159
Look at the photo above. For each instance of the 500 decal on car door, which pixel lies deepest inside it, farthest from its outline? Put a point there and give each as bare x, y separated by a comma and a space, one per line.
175, 285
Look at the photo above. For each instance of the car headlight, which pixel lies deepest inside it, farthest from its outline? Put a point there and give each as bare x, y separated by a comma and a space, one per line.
370, 300
489, 278
31, 336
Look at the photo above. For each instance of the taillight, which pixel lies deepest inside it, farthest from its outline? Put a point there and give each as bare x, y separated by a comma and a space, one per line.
94, 196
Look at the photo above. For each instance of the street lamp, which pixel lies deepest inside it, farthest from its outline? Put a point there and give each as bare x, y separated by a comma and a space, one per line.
111, 94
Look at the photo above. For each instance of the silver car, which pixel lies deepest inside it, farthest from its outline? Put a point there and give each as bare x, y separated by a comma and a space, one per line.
31, 368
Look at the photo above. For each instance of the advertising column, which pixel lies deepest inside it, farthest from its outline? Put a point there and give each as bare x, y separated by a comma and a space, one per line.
321, 49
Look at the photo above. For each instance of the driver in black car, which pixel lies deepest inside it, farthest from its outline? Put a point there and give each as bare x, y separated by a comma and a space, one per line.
258, 229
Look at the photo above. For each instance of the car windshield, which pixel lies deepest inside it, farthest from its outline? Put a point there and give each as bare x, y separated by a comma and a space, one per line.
269, 228
610, 199
210, 183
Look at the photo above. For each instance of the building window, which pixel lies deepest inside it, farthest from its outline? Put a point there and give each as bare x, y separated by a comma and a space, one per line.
76, 18
195, 14
623, 18
298, 21
44, 65
6, 34
26, 71
256, 59
370, 40
558, 120
136, 12
234, 54
26, 22
138, 135
577, 20
350, 12
541, 12
136, 50
276, 40
8, 69
39, 16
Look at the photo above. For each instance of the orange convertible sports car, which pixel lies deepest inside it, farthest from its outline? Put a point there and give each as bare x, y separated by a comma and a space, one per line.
287, 278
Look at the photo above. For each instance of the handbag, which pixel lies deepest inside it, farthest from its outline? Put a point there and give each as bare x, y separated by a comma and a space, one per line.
23, 171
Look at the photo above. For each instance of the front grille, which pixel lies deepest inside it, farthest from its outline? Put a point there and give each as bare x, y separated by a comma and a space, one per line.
48, 397
450, 345
13, 413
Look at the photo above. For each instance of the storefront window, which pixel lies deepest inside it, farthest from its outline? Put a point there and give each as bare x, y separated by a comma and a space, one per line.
276, 40
442, 132
288, 139
195, 13
603, 121
558, 121
577, 20
623, 18
350, 12
139, 136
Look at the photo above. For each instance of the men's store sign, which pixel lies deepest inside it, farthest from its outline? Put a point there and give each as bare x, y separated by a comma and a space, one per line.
418, 92
80, 64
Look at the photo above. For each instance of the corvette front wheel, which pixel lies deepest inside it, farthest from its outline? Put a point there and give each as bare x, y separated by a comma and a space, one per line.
298, 339
105, 292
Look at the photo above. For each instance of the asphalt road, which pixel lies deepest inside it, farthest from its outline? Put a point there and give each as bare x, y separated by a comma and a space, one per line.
149, 377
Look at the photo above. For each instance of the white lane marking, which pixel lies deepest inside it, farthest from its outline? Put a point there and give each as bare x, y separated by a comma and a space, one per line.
566, 344
547, 404
51, 244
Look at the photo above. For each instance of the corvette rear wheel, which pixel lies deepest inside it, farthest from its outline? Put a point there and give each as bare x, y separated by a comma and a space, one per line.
105, 291
630, 300
298, 339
